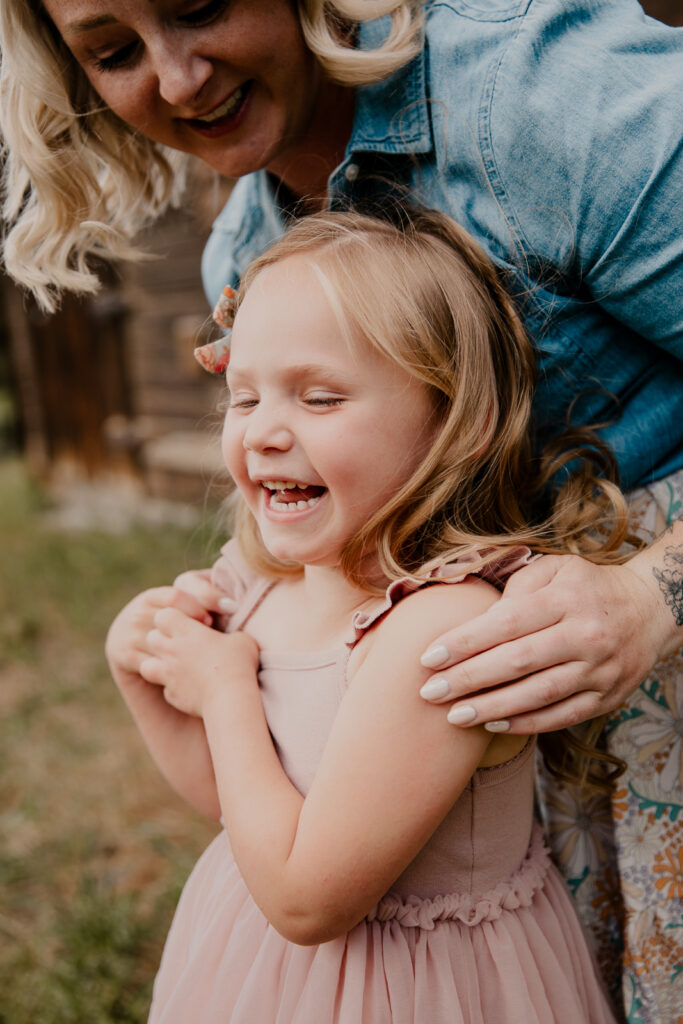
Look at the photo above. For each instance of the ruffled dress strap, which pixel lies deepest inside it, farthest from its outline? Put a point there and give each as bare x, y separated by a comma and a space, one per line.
495, 572
232, 575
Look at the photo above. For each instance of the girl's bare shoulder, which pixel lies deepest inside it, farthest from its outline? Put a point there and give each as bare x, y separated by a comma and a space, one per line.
449, 604
414, 622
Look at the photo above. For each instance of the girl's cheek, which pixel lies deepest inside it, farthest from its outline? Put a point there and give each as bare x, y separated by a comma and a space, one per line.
234, 458
229, 447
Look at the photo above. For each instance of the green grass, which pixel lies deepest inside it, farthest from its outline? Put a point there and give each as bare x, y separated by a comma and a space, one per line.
94, 847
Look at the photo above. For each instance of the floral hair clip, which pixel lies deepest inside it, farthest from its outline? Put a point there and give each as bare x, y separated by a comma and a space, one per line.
215, 356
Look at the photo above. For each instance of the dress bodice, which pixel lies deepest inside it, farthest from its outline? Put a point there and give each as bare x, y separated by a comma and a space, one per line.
486, 834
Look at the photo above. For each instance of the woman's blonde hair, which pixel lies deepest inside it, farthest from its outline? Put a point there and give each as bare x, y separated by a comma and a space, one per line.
329, 28
446, 319
79, 183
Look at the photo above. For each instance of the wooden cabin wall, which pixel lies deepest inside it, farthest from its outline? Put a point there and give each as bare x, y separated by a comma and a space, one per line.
108, 384
70, 374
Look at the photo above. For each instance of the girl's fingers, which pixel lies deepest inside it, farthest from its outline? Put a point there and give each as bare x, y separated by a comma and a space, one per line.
140, 655
151, 671
508, 619
526, 707
173, 597
132, 660
173, 622
189, 605
168, 627
197, 584
156, 641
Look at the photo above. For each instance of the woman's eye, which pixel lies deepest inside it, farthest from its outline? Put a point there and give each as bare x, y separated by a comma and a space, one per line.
119, 58
205, 13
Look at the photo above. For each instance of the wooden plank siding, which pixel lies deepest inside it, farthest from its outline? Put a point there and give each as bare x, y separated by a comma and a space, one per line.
102, 381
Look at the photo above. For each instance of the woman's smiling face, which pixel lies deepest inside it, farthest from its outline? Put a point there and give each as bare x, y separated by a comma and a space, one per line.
229, 81
341, 423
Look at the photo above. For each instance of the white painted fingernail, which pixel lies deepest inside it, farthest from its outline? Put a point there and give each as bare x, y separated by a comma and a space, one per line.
435, 656
461, 715
226, 604
500, 726
436, 688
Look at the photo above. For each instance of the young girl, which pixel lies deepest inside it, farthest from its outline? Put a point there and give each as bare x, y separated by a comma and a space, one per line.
375, 863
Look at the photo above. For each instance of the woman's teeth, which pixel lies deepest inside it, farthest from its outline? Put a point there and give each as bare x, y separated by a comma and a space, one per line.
225, 109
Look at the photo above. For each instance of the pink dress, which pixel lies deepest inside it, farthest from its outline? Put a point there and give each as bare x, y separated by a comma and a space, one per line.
479, 929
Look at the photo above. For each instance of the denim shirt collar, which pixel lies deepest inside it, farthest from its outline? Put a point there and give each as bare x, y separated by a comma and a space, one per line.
392, 116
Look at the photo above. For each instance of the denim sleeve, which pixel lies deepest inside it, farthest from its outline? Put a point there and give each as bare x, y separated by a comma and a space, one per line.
595, 189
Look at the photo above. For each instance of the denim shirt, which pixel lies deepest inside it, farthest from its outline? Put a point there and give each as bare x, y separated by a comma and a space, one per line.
551, 130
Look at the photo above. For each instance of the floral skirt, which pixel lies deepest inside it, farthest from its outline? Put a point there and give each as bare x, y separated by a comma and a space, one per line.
623, 857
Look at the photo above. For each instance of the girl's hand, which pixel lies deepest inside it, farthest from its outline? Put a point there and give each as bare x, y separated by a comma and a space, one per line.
198, 584
572, 638
126, 644
190, 661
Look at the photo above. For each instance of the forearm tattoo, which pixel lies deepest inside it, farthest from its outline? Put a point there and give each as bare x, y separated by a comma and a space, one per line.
670, 580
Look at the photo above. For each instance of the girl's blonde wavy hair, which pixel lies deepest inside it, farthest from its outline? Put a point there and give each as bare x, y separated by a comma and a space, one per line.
79, 183
446, 319
418, 288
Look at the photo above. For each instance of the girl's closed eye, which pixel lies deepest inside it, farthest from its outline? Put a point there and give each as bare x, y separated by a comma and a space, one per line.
242, 401
323, 400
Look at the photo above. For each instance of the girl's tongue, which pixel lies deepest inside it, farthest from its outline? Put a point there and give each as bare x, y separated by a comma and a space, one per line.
299, 493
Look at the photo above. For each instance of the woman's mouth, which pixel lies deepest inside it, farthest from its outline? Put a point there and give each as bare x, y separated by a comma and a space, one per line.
289, 496
227, 116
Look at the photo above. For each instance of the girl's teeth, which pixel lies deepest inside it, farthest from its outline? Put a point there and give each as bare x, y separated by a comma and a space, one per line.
291, 506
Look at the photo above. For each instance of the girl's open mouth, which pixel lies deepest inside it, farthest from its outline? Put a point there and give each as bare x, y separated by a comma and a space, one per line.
289, 496
227, 116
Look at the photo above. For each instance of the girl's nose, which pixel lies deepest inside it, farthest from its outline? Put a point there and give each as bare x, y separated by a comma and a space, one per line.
181, 72
266, 432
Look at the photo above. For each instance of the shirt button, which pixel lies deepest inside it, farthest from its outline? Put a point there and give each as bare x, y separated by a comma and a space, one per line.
352, 172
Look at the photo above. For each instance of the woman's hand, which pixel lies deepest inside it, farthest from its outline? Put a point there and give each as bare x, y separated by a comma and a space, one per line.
191, 661
570, 639
126, 644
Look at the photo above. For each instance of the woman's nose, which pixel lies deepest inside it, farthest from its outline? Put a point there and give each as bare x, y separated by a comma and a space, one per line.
181, 72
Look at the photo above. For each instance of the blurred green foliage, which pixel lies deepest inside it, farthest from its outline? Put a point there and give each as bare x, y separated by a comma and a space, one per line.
94, 847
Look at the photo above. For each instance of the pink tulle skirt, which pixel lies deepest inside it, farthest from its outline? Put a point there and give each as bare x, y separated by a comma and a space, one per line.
516, 955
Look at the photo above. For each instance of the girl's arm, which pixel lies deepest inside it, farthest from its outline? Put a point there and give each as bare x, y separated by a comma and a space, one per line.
317, 865
176, 741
